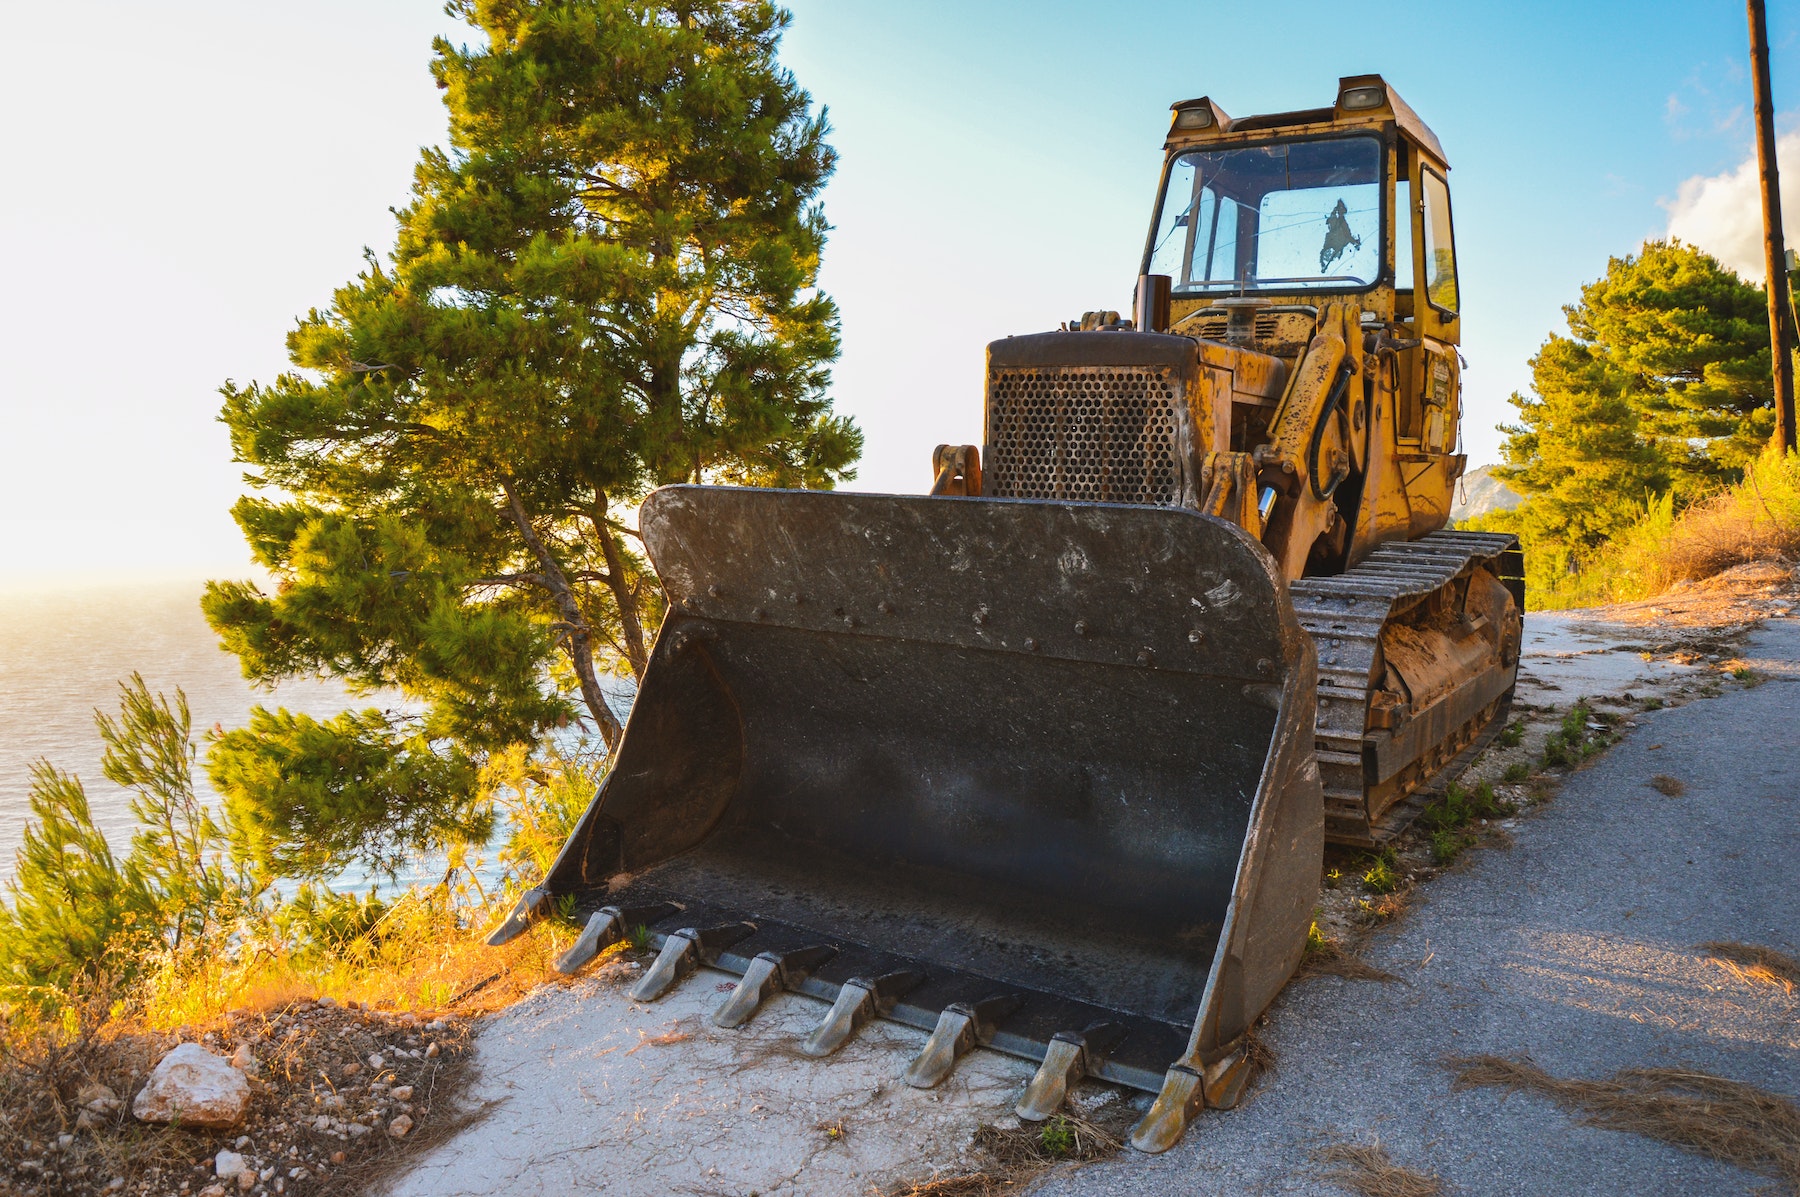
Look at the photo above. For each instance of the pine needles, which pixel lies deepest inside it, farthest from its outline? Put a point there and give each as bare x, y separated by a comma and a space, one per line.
1755, 965
1708, 1115
1365, 1169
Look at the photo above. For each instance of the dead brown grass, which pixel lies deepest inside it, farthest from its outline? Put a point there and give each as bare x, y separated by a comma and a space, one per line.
1016, 1157
1755, 965
1674, 787
1365, 1169
1330, 959
48, 1066
1708, 1115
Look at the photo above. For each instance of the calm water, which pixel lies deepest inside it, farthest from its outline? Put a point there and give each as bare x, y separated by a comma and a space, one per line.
64, 654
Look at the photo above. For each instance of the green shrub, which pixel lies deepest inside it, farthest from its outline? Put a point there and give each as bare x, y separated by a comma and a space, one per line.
1382, 876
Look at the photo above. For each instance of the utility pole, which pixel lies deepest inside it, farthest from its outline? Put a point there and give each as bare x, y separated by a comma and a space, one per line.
1780, 315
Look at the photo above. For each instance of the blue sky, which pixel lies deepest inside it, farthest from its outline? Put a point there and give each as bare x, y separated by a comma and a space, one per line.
184, 179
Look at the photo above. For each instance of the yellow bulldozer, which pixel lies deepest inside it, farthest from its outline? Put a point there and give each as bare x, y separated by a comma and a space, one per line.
1044, 761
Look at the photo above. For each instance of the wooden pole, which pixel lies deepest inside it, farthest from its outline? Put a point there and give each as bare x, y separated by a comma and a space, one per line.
1780, 315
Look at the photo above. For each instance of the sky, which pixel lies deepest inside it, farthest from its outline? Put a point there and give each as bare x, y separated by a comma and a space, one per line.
185, 179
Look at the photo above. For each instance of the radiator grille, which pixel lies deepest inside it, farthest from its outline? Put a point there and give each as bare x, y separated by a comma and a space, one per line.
1100, 434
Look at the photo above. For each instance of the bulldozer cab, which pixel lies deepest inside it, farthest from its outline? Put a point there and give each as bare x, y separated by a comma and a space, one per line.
1302, 207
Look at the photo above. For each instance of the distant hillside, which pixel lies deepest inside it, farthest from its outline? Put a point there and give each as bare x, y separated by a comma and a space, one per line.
1480, 492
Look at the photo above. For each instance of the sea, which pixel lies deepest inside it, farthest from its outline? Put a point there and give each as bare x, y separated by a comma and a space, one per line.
63, 655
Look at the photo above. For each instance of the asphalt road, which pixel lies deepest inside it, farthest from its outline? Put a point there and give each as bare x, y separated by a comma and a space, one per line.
1578, 947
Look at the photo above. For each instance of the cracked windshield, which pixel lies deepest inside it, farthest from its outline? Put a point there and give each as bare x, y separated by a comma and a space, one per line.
1297, 217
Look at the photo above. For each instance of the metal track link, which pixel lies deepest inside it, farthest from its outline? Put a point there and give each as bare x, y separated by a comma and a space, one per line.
1345, 615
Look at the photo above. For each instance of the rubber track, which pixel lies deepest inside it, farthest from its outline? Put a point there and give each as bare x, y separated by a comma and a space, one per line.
1345, 615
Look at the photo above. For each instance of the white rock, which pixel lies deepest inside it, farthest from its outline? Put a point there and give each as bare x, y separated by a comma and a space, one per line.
228, 1164
243, 1061
402, 1093
400, 1126
192, 1086
376, 1062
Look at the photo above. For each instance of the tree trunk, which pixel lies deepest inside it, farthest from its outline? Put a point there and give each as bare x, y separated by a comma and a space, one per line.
581, 638
624, 592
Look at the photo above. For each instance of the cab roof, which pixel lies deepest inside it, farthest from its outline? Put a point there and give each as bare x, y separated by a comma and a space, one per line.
1362, 101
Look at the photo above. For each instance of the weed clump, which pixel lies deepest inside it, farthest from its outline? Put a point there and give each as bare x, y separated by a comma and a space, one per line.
1584, 733
1674, 787
1382, 875
1515, 773
1512, 735
1447, 818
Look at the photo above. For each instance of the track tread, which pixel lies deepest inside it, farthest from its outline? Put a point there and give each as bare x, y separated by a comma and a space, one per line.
1345, 615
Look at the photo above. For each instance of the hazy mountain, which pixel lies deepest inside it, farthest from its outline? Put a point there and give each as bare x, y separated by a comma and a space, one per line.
1479, 492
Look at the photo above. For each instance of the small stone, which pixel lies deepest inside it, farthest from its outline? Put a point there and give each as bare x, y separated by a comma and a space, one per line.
246, 1181
87, 1120
399, 1127
243, 1141
338, 1157
64, 1142
1007, 1123
326, 1003
357, 1130
228, 1164
243, 1061
98, 1098
194, 1087
431, 1053
402, 1092
115, 1184
322, 1122
352, 1068
376, 1062
267, 1174
213, 1191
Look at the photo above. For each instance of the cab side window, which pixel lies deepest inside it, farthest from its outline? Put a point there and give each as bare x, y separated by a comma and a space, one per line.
1440, 243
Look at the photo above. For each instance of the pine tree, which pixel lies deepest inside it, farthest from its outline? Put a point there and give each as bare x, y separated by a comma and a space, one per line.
1663, 387
605, 284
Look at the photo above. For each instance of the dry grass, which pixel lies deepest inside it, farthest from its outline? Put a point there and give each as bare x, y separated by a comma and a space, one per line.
1755, 965
1328, 958
1708, 1115
303, 1052
428, 963
1016, 1157
1365, 1168
1674, 787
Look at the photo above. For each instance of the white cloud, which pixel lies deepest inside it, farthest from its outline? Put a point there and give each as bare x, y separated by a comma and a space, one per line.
1722, 214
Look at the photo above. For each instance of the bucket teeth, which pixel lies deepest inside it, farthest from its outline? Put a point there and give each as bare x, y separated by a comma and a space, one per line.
768, 974
531, 906
960, 1027
860, 1000
682, 953
1068, 1058
607, 927
1182, 1098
